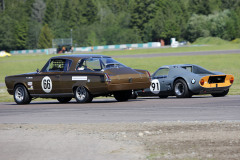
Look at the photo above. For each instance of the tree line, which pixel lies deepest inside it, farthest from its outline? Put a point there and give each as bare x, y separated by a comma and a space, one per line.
32, 24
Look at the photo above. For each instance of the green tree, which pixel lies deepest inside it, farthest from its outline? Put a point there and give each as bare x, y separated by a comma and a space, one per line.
169, 21
38, 10
142, 13
90, 10
199, 7
92, 39
45, 38
21, 34
50, 12
7, 37
232, 29
197, 27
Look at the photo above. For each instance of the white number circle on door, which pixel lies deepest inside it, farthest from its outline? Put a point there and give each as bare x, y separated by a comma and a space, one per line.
47, 84
155, 86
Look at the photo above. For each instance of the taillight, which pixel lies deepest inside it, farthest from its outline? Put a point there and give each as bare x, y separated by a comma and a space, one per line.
202, 82
108, 79
231, 80
149, 75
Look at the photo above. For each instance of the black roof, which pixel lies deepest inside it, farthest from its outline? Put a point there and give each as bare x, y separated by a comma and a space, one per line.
80, 56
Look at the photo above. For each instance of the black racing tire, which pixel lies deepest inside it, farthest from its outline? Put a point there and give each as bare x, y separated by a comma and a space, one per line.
163, 96
224, 93
134, 95
82, 95
122, 96
21, 95
64, 99
181, 89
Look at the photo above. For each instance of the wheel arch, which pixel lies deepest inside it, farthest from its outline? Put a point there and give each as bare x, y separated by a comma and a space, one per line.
177, 78
20, 83
186, 81
76, 86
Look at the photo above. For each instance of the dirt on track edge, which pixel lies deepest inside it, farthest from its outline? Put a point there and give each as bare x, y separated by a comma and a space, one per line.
133, 141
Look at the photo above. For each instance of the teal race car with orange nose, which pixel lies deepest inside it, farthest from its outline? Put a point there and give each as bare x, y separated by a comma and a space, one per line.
186, 80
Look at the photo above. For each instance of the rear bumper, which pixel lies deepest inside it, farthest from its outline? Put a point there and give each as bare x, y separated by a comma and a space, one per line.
213, 90
128, 86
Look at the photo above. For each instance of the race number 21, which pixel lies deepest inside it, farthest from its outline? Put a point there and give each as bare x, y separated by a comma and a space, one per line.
47, 84
155, 86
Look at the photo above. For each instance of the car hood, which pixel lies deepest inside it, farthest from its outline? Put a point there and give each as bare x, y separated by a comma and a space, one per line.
24, 74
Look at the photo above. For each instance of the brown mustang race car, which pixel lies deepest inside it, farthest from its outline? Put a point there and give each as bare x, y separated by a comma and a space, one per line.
80, 76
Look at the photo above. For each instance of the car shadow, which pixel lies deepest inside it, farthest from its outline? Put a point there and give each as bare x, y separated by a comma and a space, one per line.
95, 101
173, 97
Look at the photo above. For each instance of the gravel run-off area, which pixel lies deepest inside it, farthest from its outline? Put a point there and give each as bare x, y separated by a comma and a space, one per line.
121, 141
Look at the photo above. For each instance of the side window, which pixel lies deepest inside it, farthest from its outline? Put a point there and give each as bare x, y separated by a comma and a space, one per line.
161, 73
91, 64
188, 68
56, 65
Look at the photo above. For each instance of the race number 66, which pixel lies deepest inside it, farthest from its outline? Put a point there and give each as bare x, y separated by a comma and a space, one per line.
155, 86
47, 84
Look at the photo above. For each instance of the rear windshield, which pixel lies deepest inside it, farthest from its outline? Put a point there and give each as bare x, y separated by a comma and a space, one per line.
98, 64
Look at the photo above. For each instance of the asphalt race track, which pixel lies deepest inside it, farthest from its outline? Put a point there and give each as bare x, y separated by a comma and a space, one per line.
198, 108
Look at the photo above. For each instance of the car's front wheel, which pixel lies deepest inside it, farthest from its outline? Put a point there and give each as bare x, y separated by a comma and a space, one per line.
224, 93
64, 99
121, 96
82, 95
21, 95
181, 89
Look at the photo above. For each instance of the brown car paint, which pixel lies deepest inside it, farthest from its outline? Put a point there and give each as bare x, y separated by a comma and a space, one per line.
64, 82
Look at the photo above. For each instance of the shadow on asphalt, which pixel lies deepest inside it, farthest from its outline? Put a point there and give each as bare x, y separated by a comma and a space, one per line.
173, 97
74, 102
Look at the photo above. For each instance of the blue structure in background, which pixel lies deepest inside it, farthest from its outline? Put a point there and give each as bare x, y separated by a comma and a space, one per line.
89, 49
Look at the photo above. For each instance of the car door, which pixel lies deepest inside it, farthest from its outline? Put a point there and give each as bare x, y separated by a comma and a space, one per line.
160, 81
48, 80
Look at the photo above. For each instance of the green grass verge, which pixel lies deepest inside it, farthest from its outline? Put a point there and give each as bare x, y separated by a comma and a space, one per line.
18, 64
191, 48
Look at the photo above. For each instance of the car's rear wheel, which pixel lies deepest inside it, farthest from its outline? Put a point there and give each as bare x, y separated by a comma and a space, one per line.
82, 95
21, 95
181, 89
134, 95
224, 93
121, 96
64, 99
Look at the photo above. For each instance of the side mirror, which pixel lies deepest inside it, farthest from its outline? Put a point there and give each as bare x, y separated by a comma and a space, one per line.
37, 70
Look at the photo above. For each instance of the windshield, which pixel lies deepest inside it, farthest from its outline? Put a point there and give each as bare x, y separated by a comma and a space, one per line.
98, 64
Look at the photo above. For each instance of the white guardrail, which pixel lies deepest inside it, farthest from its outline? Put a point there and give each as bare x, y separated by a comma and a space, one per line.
89, 49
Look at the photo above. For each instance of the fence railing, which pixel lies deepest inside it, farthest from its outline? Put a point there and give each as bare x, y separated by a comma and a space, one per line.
91, 48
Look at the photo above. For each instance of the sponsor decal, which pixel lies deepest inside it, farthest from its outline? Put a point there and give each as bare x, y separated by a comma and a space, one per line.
30, 85
79, 78
155, 86
46, 84
29, 77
